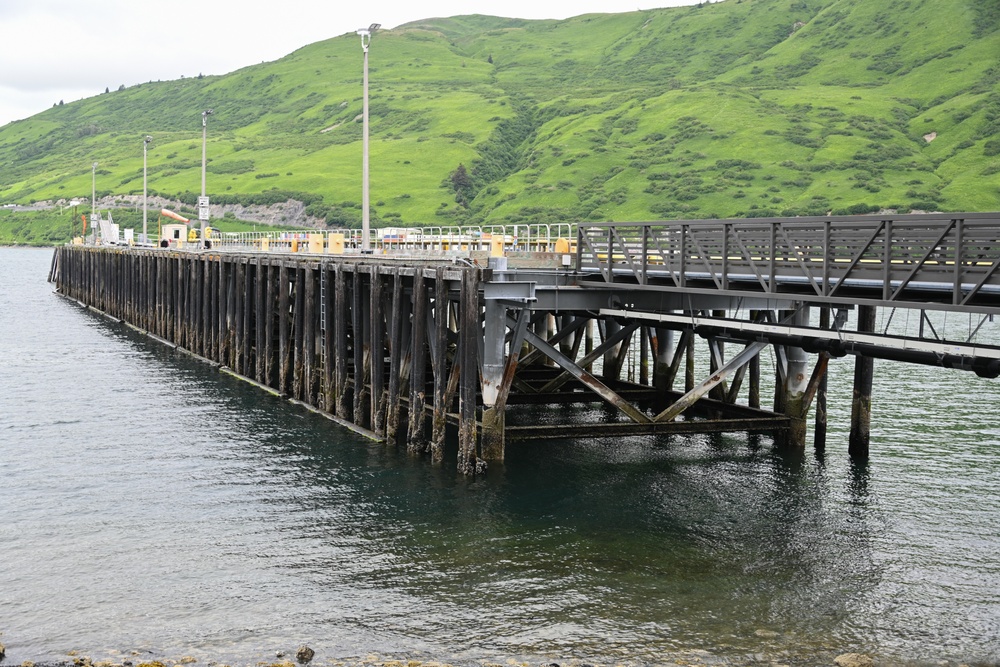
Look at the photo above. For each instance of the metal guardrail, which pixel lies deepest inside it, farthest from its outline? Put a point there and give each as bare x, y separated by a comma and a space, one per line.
527, 238
953, 257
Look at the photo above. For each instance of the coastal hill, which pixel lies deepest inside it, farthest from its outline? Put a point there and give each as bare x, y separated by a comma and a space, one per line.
739, 108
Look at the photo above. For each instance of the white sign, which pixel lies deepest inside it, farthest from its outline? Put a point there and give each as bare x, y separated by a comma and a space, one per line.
203, 208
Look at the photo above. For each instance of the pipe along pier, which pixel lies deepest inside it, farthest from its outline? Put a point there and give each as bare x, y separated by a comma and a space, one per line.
409, 345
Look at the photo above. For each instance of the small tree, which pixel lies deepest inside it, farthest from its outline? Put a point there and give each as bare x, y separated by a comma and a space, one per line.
461, 183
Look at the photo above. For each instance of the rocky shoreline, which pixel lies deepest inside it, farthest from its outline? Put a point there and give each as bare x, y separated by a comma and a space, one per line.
307, 657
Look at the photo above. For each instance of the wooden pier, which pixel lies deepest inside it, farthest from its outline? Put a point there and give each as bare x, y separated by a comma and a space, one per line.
414, 350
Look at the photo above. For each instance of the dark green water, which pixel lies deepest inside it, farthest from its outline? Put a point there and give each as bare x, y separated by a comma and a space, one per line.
152, 504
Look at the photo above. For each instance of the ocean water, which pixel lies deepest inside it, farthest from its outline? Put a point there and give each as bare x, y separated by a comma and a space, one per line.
155, 508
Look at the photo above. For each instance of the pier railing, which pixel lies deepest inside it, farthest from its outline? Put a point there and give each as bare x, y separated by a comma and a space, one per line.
953, 257
413, 240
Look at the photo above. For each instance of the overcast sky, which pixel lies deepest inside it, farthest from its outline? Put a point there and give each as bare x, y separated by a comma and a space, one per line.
52, 50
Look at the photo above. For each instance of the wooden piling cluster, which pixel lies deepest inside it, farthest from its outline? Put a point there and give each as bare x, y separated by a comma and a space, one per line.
400, 348
375, 344
402, 345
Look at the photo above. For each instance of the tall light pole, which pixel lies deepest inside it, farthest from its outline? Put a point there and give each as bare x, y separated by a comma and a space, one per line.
145, 143
93, 199
366, 38
203, 200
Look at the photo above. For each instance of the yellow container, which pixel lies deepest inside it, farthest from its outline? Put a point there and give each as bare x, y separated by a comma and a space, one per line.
336, 243
496, 245
265, 244
316, 243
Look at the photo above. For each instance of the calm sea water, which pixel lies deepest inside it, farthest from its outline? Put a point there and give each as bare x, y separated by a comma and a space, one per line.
152, 504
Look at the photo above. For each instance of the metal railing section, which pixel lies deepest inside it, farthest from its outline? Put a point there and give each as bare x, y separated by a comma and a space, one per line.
431, 240
894, 255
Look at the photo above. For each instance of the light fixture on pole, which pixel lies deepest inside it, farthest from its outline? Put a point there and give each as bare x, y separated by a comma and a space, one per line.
203, 200
145, 143
366, 39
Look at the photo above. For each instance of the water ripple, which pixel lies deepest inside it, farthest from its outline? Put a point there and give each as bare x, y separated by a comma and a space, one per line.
153, 504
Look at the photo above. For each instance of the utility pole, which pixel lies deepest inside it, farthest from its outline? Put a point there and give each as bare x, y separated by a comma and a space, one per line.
93, 200
145, 143
366, 38
203, 200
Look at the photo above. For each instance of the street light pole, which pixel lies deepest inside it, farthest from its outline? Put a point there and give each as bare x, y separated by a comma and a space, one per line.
93, 199
366, 38
203, 200
145, 143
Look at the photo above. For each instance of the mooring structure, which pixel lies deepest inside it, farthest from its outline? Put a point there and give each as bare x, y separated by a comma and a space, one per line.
421, 334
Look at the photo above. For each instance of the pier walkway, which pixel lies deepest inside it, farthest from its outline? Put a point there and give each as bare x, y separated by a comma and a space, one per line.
436, 329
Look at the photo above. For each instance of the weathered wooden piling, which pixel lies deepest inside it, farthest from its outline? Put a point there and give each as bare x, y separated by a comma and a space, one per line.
861, 404
409, 350
362, 340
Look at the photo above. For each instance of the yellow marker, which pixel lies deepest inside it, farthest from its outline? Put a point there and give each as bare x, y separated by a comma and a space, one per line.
316, 243
336, 243
496, 245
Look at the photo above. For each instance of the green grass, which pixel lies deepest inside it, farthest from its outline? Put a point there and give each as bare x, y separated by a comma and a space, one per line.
823, 104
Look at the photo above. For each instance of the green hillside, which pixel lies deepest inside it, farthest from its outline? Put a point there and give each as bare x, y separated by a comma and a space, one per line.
733, 109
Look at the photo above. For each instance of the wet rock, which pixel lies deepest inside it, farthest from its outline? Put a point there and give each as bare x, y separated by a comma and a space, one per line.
767, 634
304, 654
854, 660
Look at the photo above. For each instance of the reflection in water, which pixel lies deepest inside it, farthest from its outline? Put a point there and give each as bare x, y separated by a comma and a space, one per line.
181, 511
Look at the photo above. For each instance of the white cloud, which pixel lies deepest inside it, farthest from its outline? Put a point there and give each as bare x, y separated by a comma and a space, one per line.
66, 50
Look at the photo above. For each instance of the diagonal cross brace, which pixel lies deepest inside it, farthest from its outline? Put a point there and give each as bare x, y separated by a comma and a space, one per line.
690, 398
586, 378
612, 340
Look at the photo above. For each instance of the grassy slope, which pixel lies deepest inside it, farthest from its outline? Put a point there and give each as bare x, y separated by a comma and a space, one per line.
738, 108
